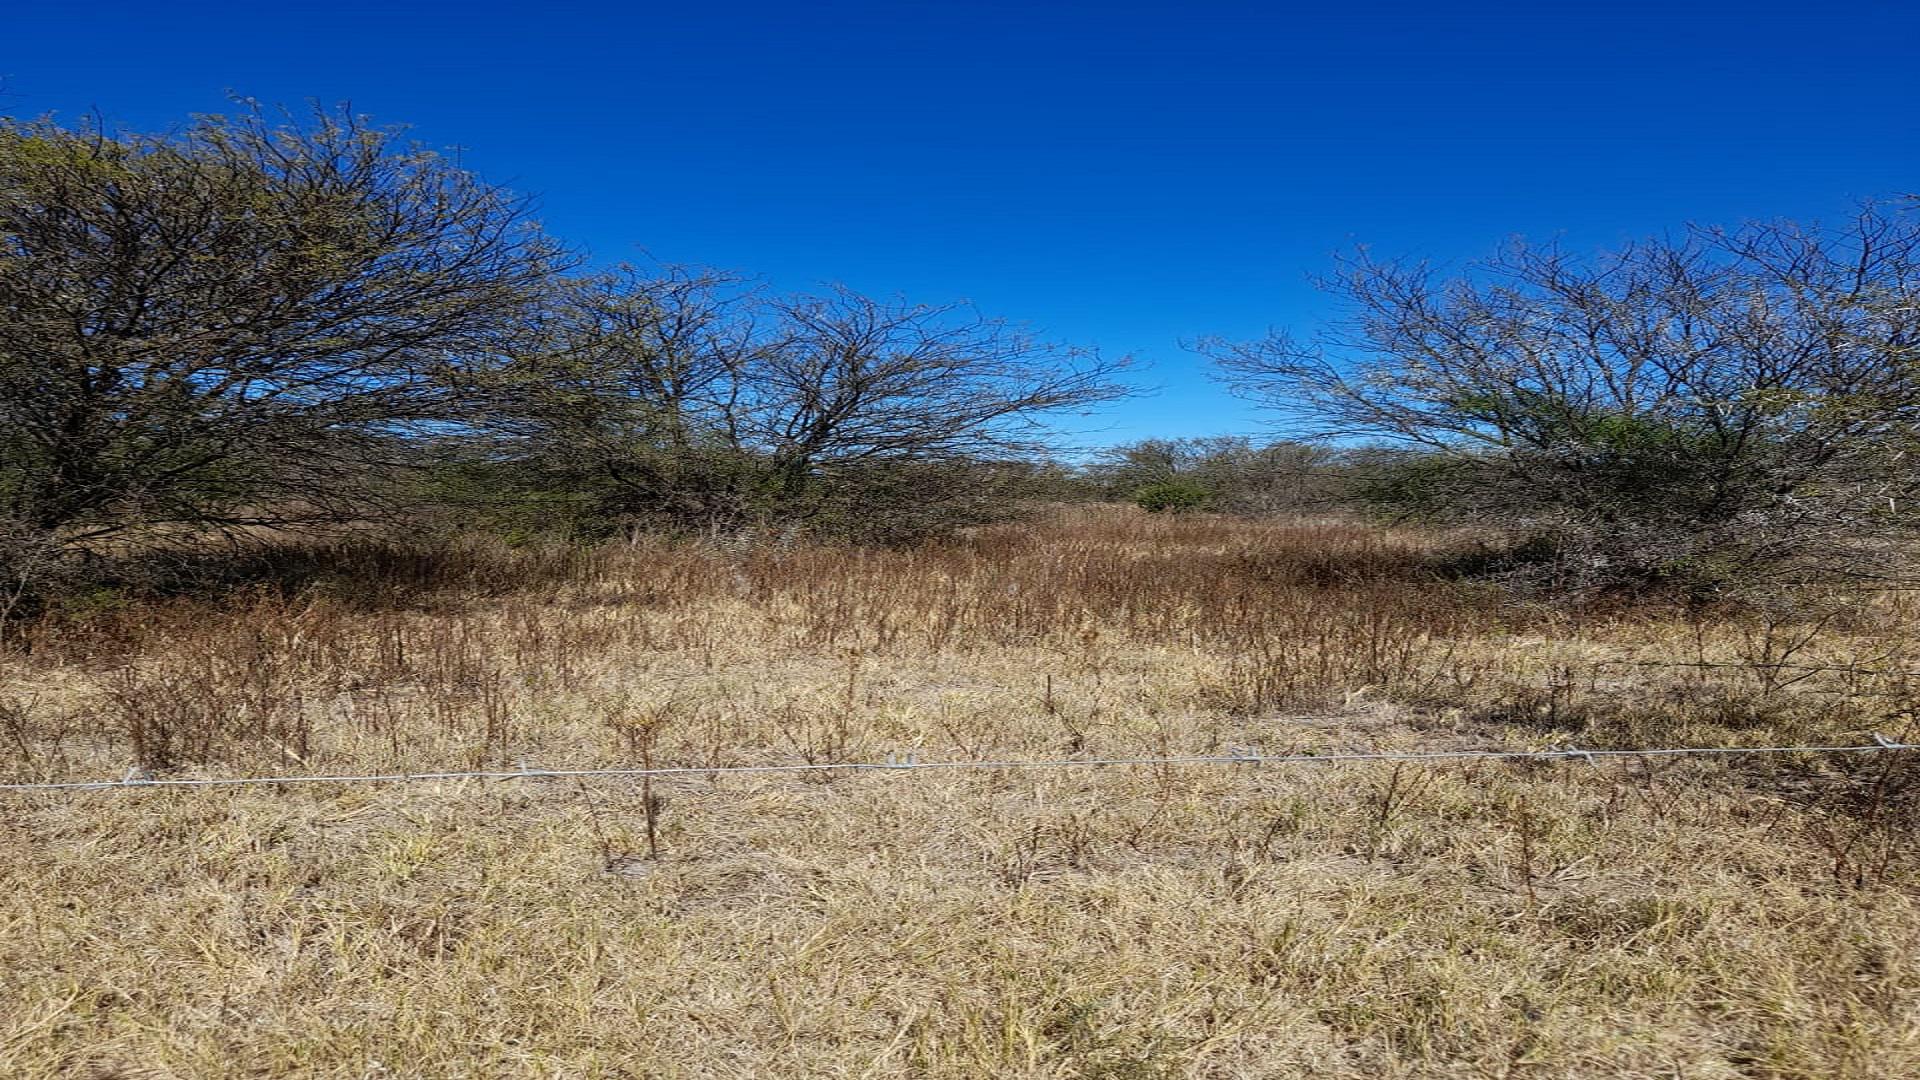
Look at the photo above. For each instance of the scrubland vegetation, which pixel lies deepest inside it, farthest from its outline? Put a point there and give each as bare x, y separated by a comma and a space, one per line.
318, 458
1738, 918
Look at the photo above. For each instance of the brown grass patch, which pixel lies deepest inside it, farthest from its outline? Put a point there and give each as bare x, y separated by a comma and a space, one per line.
1747, 918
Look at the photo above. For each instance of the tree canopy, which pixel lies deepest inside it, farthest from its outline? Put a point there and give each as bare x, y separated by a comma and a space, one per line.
1735, 398
230, 324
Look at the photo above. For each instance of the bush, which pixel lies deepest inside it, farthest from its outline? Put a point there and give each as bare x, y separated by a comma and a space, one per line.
1239, 475
1707, 414
1177, 496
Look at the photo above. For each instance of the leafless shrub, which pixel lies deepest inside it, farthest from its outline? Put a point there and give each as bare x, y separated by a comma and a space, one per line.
689, 402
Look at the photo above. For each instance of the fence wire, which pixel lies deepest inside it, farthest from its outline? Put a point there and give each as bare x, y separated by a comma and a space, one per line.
1245, 757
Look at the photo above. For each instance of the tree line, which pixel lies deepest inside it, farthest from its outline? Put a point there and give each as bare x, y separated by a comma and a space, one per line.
261, 321
257, 323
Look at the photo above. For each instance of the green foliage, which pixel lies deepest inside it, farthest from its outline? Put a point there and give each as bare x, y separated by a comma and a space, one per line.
1173, 496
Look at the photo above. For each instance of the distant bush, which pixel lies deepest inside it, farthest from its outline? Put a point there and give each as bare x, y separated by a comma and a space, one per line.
1239, 475
1177, 496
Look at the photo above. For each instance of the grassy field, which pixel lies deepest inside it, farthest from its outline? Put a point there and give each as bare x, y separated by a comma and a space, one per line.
1697, 918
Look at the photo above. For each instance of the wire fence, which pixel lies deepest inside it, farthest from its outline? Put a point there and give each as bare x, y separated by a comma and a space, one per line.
1760, 667
1245, 757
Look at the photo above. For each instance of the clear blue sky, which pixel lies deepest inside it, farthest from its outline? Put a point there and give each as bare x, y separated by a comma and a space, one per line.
1123, 175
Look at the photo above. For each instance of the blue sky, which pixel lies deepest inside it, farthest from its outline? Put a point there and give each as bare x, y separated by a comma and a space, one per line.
1123, 175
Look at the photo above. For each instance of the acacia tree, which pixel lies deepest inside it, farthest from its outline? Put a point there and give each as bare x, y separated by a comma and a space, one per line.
1701, 409
690, 397
238, 322
618, 405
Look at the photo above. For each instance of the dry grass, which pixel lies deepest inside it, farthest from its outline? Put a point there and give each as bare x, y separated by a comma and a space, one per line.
1685, 918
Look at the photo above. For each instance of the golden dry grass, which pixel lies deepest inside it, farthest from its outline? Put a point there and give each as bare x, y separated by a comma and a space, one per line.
1751, 918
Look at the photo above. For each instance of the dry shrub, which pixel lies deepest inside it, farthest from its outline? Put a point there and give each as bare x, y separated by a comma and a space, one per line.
407, 646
